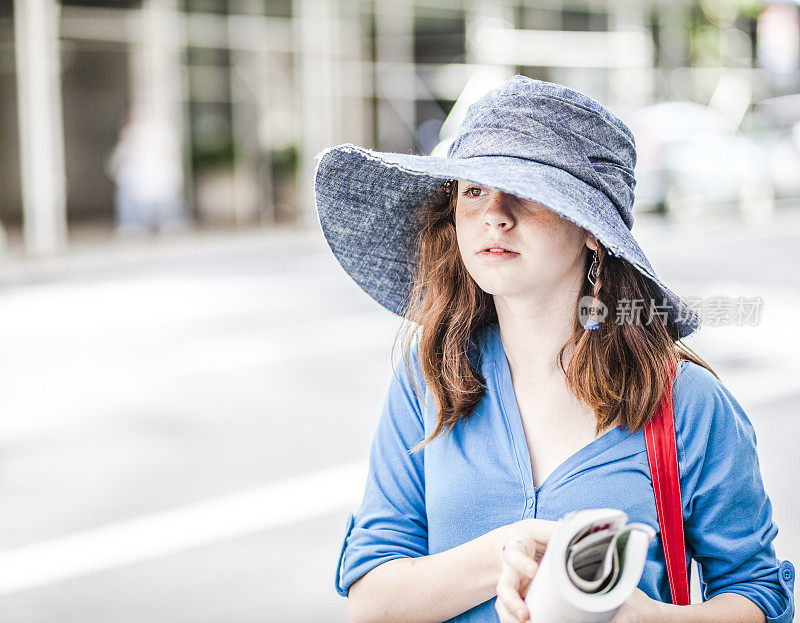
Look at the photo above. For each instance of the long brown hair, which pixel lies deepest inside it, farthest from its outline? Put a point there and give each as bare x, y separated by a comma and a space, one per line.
619, 370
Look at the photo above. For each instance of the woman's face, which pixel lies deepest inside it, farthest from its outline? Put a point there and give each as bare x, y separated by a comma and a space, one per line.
548, 250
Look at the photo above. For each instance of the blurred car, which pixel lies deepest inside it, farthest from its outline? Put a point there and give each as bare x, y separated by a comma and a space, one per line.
692, 160
775, 125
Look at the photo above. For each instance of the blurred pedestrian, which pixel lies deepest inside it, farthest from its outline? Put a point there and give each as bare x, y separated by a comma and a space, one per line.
146, 167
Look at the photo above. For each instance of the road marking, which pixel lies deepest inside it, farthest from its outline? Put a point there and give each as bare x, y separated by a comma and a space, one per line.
159, 534
127, 372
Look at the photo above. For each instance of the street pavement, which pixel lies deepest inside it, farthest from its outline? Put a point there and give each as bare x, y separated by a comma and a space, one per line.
185, 421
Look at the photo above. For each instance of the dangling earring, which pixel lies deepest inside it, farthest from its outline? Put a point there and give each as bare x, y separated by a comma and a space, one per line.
448, 185
593, 268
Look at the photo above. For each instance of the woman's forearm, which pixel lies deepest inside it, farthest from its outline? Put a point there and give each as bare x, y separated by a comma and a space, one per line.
429, 588
728, 607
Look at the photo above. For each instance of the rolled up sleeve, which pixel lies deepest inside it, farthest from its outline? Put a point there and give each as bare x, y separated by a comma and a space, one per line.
391, 521
728, 520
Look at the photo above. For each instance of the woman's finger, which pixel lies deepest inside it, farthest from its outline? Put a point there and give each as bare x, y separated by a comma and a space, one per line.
506, 616
509, 578
540, 546
525, 584
511, 599
522, 563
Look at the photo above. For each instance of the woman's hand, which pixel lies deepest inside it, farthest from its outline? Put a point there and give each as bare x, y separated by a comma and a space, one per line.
639, 608
524, 546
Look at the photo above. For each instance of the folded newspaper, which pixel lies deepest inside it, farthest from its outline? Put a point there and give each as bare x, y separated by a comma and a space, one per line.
593, 562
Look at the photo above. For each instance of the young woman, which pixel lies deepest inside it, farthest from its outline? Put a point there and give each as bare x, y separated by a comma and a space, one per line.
515, 406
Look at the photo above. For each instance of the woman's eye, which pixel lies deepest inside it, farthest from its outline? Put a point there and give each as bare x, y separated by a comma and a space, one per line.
468, 191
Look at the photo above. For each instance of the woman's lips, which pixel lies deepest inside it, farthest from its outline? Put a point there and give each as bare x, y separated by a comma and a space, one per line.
498, 256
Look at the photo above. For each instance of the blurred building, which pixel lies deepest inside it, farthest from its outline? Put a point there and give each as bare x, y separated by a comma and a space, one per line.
253, 89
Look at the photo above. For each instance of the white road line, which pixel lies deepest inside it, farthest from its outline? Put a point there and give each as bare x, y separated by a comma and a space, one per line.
200, 356
301, 341
163, 533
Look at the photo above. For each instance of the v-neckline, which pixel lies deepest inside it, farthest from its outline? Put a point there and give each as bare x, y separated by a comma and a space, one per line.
509, 404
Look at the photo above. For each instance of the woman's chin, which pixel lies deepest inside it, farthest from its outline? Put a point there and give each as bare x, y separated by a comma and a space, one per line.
504, 288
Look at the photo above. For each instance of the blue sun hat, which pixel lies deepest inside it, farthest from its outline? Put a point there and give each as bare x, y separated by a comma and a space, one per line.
538, 140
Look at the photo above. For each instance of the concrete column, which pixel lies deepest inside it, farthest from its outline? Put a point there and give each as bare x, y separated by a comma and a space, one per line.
41, 131
632, 81
491, 14
395, 77
159, 81
356, 85
266, 75
316, 102
244, 113
674, 44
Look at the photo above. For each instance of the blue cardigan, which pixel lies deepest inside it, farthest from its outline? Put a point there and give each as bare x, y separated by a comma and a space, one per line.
478, 477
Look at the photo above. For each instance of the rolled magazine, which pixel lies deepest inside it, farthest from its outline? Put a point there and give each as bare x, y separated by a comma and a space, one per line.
593, 562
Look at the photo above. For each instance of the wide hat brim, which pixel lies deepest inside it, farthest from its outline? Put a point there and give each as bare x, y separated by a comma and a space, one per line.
366, 199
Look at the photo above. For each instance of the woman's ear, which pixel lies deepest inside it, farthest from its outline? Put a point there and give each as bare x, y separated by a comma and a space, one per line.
591, 242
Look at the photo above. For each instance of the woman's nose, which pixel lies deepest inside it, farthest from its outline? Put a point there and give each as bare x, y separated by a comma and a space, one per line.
497, 210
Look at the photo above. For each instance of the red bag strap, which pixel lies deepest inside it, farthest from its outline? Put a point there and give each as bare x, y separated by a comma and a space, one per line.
662, 456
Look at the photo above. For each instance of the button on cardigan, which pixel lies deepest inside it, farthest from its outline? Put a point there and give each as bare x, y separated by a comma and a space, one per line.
478, 477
